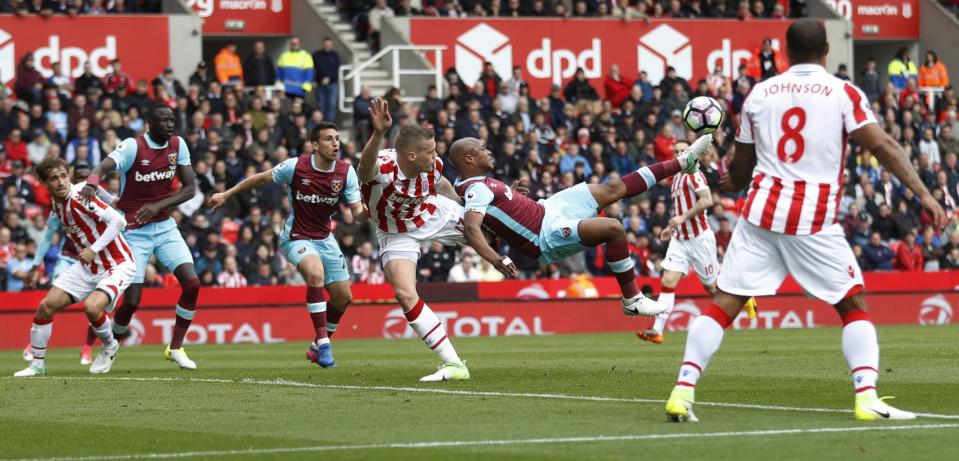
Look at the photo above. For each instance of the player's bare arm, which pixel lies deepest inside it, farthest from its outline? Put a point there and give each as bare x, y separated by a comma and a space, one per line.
704, 201
356, 209
253, 182
381, 120
187, 191
740, 168
473, 232
93, 181
446, 189
894, 159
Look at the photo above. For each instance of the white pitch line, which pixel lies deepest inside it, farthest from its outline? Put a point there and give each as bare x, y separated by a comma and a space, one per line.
501, 442
421, 390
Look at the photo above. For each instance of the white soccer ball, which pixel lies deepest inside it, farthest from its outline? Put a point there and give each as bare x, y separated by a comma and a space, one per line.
703, 115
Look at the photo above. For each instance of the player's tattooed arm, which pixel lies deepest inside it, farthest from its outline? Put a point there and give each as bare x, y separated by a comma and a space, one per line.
187, 191
894, 159
253, 182
381, 120
473, 232
740, 168
93, 181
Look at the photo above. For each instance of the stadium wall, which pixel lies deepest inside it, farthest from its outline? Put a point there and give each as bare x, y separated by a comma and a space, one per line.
939, 31
510, 308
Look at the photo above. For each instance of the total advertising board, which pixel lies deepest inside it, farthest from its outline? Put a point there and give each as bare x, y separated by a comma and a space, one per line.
550, 51
880, 19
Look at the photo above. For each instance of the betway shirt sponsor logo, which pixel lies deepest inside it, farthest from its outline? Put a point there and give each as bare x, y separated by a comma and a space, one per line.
154, 176
316, 198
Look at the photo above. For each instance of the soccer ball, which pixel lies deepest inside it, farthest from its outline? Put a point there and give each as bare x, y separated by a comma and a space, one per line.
703, 115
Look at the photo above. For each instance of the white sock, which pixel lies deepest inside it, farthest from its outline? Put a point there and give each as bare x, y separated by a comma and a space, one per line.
861, 349
429, 328
39, 338
331, 327
105, 331
705, 337
667, 299
322, 341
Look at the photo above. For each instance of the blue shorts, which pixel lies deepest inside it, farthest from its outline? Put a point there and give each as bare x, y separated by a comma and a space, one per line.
559, 234
161, 238
334, 264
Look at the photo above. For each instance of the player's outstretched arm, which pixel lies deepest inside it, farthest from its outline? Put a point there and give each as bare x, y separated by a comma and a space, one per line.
186, 192
381, 120
446, 189
740, 168
474, 236
252, 182
894, 159
93, 181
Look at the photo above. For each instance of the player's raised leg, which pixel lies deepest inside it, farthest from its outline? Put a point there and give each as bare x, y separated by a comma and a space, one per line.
55, 300
401, 273
311, 266
340, 298
597, 231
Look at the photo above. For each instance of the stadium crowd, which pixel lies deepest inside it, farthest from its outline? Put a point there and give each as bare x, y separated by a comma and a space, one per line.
581, 131
76, 7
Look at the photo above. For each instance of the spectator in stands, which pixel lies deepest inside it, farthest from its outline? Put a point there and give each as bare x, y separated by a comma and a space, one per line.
436, 264
201, 77
15, 147
362, 261
768, 65
870, 80
18, 267
616, 87
326, 62
117, 78
909, 254
466, 270
231, 276
295, 70
227, 64
579, 89
901, 70
379, 12
258, 67
878, 255
28, 84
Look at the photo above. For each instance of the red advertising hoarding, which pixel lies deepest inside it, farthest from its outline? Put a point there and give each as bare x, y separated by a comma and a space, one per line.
74, 41
550, 50
244, 17
880, 19
535, 307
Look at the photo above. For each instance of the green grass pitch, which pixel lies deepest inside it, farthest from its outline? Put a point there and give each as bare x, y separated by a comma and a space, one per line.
599, 397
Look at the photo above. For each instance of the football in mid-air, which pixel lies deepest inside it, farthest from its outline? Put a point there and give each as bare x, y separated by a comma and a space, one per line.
703, 115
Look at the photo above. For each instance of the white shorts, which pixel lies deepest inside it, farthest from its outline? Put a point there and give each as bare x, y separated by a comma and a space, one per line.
698, 252
445, 226
79, 282
758, 260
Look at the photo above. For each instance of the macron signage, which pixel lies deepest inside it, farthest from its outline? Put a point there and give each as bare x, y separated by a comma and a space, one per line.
244, 17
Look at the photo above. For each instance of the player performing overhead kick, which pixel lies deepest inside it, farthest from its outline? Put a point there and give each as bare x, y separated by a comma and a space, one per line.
106, 266
564, 224
314, 186
791, 143
149, 166
400, 187
693, 244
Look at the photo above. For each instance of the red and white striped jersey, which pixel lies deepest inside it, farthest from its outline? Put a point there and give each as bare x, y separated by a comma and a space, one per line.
398, 204
799, 122
684, 197
84, 225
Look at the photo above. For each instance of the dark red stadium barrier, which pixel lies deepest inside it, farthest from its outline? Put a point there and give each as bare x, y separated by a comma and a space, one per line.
97, 39
550, 50
276, 314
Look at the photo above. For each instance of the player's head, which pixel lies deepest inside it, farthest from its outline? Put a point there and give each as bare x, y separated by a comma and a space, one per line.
806, 42
161, 122
471, 157
326, 140
679, 147
81, 172
52, 171
415, 146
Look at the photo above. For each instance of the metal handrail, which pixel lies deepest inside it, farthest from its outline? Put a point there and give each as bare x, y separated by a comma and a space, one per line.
354, 73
